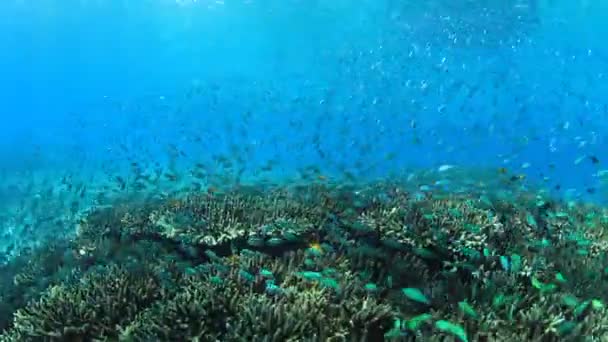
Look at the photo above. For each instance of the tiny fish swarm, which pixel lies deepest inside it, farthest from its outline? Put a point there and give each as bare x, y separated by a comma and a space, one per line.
318, 262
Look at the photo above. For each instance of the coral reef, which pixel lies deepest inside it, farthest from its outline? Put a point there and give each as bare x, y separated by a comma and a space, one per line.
105, 298
318, 262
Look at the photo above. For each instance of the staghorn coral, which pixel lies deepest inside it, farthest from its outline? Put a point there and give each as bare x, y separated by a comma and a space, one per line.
323, 262
199, 311
208, 220
30, 273
309, 316
232, 301
310, 296
105, 298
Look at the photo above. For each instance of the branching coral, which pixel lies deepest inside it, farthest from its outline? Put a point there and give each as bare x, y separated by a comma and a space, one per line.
322, 262
104, 299
199, 311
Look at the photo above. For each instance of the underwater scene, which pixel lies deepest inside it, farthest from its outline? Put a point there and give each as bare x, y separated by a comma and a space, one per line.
303, 170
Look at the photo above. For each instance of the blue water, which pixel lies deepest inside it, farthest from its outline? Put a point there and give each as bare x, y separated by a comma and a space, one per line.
261, 90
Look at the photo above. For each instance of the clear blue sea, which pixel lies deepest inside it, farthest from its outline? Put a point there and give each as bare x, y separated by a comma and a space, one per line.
188, 95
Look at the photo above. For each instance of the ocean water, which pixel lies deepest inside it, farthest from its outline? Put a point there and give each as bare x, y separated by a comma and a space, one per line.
113, 104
